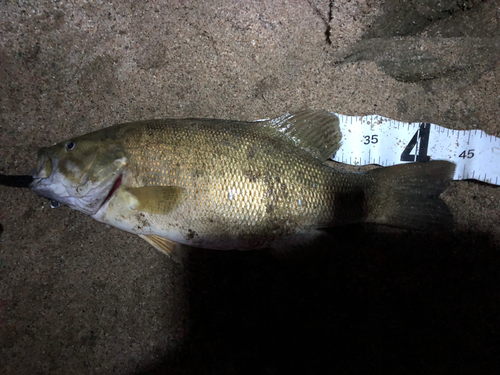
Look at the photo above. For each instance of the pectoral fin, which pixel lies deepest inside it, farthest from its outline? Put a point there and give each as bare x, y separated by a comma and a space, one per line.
157, 199
171, 248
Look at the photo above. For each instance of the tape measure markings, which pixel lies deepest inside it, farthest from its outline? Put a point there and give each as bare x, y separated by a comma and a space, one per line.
379, 140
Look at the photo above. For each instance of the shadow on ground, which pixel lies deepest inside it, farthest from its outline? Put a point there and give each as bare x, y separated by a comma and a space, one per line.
391, 300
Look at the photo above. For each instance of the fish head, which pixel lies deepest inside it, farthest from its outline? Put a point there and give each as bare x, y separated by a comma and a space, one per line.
81, 173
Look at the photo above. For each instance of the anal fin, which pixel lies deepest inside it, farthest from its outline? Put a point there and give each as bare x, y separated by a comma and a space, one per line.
170, 248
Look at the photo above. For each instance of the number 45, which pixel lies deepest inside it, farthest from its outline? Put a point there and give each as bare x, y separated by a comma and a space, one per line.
468, 155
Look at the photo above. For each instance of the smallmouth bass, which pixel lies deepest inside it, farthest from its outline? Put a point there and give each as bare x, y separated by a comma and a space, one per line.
223, 184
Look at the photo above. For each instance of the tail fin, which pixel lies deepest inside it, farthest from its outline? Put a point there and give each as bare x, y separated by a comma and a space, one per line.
407, 195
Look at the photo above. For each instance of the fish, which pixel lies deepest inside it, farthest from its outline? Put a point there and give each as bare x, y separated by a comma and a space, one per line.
225, 184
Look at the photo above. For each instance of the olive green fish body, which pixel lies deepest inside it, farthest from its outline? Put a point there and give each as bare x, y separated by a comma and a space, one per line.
231, 185
243, 186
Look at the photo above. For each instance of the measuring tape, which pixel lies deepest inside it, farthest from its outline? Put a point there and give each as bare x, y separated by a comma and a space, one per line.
379, 140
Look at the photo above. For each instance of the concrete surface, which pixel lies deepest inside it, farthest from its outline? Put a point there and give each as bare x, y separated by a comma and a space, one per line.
78, 297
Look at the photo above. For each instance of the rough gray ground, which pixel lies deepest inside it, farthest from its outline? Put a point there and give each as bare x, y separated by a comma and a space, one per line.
78, 297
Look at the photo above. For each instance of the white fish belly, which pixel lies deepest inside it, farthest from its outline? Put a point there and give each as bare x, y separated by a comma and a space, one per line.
178, 226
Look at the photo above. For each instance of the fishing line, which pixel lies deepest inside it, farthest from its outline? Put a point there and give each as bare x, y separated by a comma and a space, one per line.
22, 181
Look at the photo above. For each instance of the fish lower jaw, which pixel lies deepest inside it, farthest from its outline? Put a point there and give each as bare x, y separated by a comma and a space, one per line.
88, 200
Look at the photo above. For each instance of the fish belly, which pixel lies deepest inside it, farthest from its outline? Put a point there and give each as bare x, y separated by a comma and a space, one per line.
218, 218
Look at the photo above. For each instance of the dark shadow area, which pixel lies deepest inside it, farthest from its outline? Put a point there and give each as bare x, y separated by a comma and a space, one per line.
409, 18
405, 61
459, 43
379, 300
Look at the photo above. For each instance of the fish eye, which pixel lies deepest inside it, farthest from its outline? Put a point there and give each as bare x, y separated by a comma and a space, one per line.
70, 146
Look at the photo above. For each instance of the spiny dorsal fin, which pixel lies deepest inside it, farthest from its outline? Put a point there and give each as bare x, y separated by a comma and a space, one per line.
171, 248
316, 131
157, 199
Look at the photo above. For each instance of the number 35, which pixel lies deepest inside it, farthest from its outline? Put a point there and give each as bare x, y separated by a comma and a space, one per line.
372, 139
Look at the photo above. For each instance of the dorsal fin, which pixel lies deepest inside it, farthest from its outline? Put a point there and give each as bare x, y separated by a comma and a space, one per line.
316, 131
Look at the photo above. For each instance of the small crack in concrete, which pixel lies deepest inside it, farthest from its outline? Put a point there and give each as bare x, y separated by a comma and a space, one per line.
326, 20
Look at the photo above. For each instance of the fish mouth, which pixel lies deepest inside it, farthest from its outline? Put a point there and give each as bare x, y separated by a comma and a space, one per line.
46, 165
42, 176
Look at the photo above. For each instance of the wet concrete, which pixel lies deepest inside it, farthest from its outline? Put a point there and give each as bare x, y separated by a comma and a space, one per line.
77, 296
